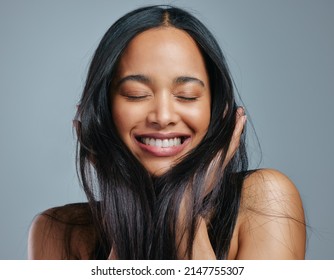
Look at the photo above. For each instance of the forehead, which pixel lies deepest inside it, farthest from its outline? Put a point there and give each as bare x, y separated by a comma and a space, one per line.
165, 35
167, 47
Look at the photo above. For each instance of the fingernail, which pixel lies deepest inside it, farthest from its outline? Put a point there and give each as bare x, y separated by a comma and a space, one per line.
241, 111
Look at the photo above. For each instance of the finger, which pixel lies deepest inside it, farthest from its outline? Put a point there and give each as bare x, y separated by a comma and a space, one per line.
239, 126
240, 123
232, 148
235, 140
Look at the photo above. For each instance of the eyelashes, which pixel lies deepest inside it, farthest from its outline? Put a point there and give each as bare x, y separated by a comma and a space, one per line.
144, 97
139, 96
186, 98
135, 97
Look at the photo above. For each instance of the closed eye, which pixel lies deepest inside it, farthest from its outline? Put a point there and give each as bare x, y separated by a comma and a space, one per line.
134, 96
186, 98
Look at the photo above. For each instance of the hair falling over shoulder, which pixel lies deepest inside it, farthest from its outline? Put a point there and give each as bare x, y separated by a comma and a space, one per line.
133, 212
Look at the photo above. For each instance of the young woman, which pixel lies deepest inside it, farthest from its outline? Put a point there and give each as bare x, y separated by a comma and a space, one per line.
162, 159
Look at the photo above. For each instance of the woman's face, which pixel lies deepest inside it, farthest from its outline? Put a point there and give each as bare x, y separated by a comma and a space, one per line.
161, 97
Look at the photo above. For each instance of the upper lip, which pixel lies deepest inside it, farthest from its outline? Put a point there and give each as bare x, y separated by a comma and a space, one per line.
157, 135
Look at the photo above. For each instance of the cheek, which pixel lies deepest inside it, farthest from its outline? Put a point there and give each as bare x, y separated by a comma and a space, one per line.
198, 118
123, 117
120, 123
126, 117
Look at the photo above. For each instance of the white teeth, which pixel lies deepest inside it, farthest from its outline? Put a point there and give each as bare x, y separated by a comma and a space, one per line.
164, 143
151, 142
158, 142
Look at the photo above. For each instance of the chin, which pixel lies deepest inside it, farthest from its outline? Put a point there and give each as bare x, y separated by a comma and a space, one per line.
159, 170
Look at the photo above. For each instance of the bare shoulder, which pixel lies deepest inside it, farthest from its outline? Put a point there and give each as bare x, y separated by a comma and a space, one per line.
264, 185
271, 222
61, 233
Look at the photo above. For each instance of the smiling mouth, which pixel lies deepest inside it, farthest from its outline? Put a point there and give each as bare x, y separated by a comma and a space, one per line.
162, 143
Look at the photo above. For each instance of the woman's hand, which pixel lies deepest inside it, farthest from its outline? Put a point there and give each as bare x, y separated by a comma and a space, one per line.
232, 149
241, 119
202, 248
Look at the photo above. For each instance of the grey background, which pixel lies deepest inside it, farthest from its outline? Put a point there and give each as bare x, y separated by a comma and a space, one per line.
281, 57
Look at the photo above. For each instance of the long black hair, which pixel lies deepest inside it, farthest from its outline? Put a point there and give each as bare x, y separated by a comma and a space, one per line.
136, 213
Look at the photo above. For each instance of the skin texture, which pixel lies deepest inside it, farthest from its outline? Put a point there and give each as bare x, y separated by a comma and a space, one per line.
161, 100
152, 99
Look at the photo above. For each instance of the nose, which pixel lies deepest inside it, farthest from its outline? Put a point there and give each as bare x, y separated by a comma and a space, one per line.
163, 113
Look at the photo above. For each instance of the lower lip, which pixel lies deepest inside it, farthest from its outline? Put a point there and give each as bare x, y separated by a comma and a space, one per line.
163, 152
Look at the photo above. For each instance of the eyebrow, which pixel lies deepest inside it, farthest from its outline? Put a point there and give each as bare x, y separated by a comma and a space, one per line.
146, 80
187, 79
137, 78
